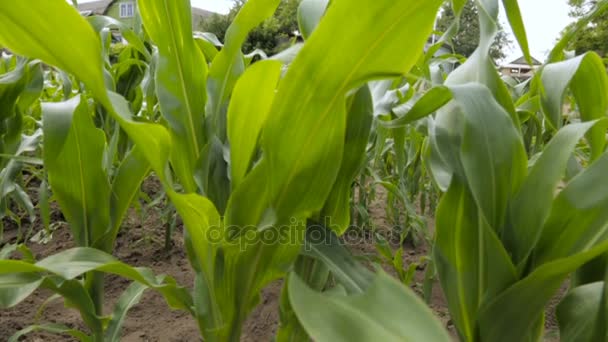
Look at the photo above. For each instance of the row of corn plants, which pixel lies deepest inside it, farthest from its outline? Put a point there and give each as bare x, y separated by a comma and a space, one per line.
258, 158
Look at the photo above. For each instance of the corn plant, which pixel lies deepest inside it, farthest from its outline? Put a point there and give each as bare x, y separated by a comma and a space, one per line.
299, 169
507, 238
20, 87
92, 193
258, 158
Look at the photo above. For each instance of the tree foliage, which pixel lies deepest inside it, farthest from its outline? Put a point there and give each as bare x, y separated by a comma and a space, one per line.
467, 39
594, 37
271, 36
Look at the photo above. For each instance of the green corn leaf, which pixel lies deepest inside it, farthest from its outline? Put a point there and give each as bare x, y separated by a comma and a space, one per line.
289, 328
470, 261
212, 174
502, 318
586, 76
401, 158
33, 88
302, 149
17, 278
480, 67
7, 250
44, 205
77, 297
315, 274
228, 65
20, 159
298, 145
12, 85
208, 44
576, 311
74, 262
309, 15
441, 172
51, 328
153, 140
54, 19
15, 287
578, 217
17, 266
249, 204
57, 25
427, 104
324, 245
180, 81
232, 291
128, 74
302, 144
24, 200
127, 300
600, 331
517, 25
492, 153
203, 222
532, 203
249, 107
148, 85
359, 122
126, 185
73, 153
377, 314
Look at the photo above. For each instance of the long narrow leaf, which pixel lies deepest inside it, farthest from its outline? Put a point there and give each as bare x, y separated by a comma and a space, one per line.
180, 81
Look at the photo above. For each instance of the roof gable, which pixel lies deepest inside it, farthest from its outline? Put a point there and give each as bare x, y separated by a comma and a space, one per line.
96, 7
522, 60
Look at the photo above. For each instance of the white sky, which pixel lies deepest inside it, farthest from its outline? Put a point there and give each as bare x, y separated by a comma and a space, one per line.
220, 6
544, 19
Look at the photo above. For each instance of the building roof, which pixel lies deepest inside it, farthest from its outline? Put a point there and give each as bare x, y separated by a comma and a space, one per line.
100, 7
522, 61
94, 7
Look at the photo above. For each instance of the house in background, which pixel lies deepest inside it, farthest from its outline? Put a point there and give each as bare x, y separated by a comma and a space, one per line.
125, 10
520, 69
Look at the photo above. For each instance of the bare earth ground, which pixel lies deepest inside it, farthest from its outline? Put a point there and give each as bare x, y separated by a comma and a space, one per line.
141, 244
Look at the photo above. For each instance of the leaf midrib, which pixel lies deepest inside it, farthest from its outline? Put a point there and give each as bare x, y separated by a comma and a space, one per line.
338, 94
81, 178
180, 73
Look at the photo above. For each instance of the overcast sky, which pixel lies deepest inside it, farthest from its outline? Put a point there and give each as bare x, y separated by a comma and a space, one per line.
544, 19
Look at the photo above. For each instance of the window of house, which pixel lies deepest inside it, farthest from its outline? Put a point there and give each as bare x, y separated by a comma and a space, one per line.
515, 71
127, 9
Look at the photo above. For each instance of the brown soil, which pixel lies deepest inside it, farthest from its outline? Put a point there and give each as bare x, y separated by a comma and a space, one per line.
141, 243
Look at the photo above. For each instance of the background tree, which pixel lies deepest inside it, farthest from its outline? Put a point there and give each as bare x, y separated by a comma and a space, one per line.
272, 36
466, 40
595, 36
